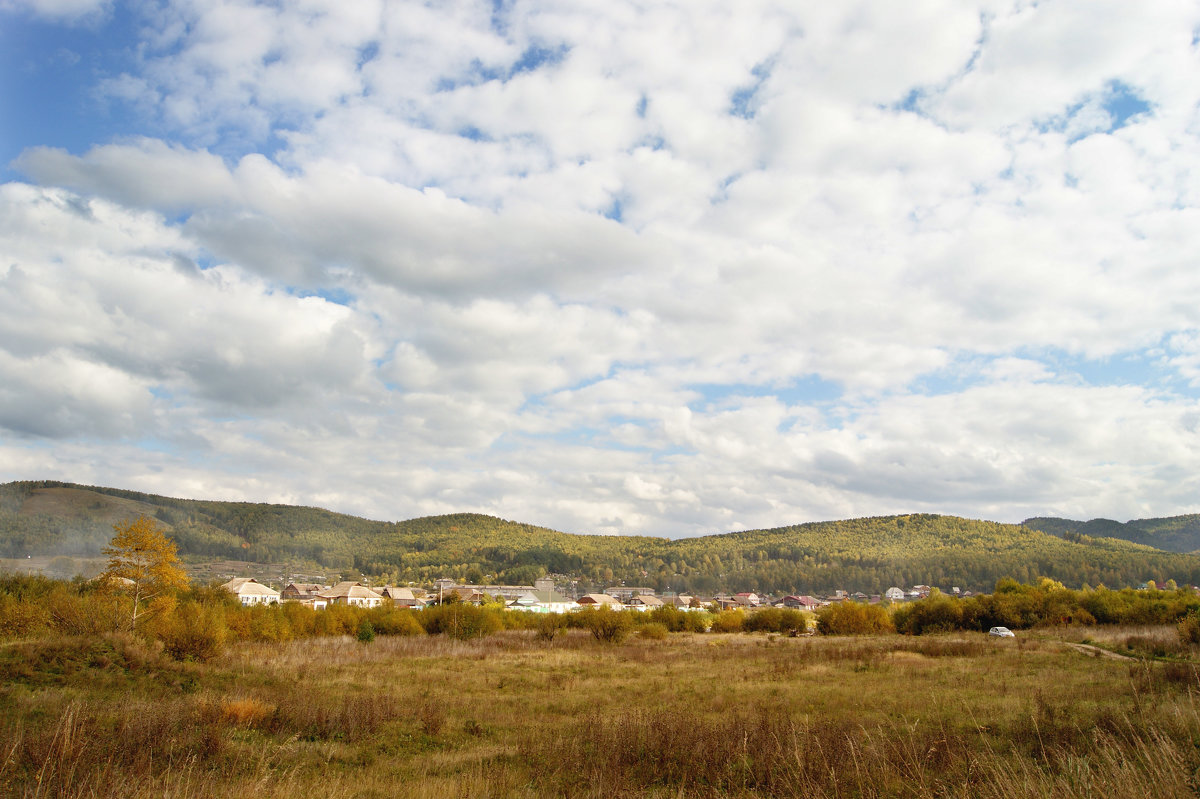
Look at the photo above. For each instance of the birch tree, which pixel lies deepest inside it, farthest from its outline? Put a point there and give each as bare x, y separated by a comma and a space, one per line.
143, 563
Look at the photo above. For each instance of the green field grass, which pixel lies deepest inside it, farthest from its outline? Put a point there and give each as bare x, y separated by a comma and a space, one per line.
689, 715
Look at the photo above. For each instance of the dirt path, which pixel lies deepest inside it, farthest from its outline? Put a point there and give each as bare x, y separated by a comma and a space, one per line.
1096, 651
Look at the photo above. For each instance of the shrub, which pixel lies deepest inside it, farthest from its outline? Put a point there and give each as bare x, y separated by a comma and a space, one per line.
548, 626
366, 631
301, 620
395, 621
19, 617
267, 623
935, 613
670, 617
432, 715
729, 621
653, 631
610, 626
84, 614
462, 621
777, 620
193, 632
339, 619
854, 618
1189, 628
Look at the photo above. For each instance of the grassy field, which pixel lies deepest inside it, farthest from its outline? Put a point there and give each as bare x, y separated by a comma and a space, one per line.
509, 715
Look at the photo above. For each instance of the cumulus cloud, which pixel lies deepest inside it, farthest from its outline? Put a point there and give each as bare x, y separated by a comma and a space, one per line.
621, 269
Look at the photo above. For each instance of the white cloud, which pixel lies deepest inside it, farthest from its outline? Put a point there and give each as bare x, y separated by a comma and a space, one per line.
622, 269
64, 10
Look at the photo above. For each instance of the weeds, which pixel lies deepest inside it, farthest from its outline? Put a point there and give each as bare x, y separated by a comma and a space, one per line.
512, 715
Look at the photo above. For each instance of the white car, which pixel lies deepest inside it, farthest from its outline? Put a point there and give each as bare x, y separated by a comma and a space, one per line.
1001, 632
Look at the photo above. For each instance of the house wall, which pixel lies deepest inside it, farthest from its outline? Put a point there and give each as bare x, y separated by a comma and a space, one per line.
258, 599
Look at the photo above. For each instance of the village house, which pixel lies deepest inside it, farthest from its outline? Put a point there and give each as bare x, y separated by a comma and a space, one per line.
747, 599
543, 601
644, 602
352, 593
506, 592
468, 595
475, 594
598, 601
251, 592
624, 593
802, 602
894, 594
401, 597
306, 594
300, 591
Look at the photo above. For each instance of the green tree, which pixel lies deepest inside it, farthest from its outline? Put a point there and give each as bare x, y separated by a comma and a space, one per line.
142, 563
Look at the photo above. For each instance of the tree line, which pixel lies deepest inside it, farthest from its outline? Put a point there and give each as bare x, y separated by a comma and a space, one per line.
869, 555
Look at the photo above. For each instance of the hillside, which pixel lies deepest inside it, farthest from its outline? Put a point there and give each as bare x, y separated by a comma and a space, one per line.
1171, 534
49, 518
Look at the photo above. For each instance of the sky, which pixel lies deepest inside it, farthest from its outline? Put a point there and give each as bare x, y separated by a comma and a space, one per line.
668, 268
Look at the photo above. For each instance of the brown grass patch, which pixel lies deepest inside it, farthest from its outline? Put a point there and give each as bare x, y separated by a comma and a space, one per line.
246, 712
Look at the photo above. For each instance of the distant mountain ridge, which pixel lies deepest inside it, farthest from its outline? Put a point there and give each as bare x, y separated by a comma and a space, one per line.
1171, 534
869, 555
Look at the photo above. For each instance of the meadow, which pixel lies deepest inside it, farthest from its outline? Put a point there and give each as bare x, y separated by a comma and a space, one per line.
1062, 712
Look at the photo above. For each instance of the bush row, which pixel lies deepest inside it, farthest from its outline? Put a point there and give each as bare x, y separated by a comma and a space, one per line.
1046, 603
198, 623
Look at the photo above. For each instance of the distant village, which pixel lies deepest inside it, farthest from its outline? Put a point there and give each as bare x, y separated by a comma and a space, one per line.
542, 597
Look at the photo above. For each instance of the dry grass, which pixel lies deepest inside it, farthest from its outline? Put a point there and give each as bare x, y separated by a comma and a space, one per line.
510, 715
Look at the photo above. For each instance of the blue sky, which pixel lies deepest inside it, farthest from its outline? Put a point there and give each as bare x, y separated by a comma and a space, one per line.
609, 268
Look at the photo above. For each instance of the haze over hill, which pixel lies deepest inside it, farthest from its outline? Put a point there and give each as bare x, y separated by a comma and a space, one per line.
869, 554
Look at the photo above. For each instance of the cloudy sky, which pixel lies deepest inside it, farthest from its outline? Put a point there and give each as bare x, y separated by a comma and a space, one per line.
666, 268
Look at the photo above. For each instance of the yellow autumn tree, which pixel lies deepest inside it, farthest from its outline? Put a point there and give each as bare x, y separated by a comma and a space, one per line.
143, 563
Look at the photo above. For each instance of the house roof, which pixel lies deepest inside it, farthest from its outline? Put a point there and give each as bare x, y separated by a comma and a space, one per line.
543, 597
394, 592
549, 595
248, 586
598, 599
648, 601
350, 590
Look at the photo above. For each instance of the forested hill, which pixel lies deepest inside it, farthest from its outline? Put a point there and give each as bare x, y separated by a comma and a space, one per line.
1173, 534
869, 555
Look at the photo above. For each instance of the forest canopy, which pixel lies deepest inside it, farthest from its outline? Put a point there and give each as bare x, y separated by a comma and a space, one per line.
869, 554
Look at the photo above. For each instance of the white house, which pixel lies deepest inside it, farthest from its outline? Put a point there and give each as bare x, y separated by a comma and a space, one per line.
545, 601
352, 593
894, 594
251, 592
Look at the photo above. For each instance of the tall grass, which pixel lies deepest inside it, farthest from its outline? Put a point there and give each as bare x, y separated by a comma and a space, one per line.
515, 714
